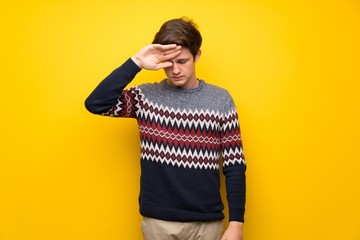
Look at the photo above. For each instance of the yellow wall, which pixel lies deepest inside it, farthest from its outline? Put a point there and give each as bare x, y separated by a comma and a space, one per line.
291, 66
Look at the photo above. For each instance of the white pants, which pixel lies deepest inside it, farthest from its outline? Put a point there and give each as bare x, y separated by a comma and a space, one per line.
154, 229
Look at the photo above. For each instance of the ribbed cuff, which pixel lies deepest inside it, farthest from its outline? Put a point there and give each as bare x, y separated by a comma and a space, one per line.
131, 68
236, 215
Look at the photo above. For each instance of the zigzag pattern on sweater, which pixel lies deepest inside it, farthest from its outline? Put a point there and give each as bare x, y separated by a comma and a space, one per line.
127, 104
189, 138
180, 137
179, 118
181, 157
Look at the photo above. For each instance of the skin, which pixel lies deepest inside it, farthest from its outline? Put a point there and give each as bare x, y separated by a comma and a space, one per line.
182, 72
234, 231
179, 66
178, 63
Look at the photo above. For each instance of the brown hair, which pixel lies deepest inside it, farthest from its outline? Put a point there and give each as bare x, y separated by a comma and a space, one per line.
181, 31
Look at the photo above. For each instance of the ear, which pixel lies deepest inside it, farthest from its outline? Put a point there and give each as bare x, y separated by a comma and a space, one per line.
197, 56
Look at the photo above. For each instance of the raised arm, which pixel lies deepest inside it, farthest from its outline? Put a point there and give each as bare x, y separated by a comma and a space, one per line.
151, 57
109, 90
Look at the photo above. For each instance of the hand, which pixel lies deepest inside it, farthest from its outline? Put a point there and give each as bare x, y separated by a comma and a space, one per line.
234, 231
156, 56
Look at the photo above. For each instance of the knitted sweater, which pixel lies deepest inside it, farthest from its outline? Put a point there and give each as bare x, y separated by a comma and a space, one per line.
183, 133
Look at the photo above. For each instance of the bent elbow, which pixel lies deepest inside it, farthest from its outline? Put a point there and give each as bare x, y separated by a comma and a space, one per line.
90, 106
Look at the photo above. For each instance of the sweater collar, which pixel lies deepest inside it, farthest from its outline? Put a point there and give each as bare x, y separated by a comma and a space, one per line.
183, 90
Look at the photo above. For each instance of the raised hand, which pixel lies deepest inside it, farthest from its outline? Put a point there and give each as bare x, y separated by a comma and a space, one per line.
156, 56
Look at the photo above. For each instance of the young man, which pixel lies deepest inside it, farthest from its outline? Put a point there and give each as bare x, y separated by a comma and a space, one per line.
185, 125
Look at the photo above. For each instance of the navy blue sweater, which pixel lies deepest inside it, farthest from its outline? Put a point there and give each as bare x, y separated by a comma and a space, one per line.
183, 133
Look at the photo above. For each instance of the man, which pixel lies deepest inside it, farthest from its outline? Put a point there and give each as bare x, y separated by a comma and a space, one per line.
185, 125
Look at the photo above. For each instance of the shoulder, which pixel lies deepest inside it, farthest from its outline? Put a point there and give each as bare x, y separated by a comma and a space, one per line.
150, 87
145, 86
216, 91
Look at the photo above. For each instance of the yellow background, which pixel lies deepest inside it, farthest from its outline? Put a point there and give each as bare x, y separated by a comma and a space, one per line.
292, 68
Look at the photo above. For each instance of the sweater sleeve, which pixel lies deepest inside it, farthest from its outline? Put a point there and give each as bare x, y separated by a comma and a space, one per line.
109, 97
234, 165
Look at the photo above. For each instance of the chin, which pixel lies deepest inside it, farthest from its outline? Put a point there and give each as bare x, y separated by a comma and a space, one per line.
177, 83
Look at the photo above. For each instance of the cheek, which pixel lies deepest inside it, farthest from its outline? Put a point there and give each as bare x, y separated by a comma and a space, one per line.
189, 67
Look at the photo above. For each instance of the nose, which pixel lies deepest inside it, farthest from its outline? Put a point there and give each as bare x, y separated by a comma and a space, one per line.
175, 69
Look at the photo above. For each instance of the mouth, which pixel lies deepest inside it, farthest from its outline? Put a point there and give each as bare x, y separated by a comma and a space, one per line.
178, 78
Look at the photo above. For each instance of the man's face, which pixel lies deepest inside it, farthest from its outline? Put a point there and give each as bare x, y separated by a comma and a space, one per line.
182, 73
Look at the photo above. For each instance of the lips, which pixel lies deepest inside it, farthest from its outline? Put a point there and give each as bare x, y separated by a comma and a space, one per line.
178, 78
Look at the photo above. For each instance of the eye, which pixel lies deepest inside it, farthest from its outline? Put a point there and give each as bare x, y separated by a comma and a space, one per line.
182, 61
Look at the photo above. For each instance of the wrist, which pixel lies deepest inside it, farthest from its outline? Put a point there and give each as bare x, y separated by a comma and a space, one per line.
236, 224
136, 61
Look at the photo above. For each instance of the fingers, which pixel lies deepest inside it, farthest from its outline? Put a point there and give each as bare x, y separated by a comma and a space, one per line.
166, 47
169, 52
157, 56
164, 65
170, 55
169, 49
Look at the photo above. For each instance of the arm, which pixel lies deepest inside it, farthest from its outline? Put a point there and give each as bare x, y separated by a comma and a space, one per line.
234, 170
106, 94
151, 57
